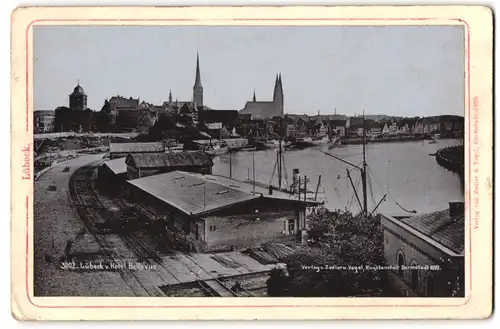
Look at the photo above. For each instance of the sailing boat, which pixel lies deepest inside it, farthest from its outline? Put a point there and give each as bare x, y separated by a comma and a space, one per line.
363, 170
280, 165
298, 188
363, 204
271, 143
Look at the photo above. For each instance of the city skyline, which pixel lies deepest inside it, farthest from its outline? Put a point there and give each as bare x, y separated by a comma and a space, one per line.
422, 67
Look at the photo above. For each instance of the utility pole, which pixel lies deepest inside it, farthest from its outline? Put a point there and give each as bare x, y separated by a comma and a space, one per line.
280, 153
305, 188
230, 164
253, 166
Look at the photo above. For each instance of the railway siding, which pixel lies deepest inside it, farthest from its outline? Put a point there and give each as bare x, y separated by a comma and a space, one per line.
55, 222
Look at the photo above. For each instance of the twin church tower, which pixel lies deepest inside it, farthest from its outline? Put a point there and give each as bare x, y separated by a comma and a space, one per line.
257, 109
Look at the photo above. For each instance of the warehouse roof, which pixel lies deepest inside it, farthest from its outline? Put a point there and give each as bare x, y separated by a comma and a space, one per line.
179, 159
198, 194
117, 166
444, 227
441, 227
136, 147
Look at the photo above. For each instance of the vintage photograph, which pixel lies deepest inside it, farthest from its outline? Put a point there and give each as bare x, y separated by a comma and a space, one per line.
249, 161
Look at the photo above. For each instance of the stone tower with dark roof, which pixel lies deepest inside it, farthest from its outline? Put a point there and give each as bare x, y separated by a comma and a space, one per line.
198, 88
78, 99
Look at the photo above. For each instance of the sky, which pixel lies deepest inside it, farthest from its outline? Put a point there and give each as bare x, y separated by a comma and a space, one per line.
392, 70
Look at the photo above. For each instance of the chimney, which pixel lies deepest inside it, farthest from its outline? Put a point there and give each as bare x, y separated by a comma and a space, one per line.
456, 209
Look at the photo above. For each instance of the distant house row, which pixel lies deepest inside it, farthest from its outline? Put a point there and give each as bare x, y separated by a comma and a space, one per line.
296, 126
129, 114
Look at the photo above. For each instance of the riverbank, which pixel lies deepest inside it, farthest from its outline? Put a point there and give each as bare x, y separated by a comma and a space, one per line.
404, 171
385, 139
452, 159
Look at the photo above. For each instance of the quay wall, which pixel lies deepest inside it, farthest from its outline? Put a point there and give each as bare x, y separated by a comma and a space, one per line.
231, 142
452, 158
359, 140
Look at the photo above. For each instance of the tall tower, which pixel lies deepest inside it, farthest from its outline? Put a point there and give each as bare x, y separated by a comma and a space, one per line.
198, 88
278, 95
170, 97
78, 98
254, 98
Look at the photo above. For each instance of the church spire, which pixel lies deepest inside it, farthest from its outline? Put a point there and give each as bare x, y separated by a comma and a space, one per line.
276, 83
170, 96
198, 88
254, 98
197, 81
278, 96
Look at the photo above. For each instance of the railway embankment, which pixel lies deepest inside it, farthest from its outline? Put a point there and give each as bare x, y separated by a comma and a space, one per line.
56, 222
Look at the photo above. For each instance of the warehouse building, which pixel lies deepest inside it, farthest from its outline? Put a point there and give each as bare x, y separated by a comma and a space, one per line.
220, 213
121, 150
142, 165
426, 252
112, 174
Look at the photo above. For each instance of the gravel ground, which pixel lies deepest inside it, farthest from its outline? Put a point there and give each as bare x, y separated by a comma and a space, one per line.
55, 222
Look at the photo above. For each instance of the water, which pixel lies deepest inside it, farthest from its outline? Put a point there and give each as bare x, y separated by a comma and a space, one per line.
404, 171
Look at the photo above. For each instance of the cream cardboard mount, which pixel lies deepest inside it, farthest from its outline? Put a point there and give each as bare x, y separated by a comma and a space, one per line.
155, 231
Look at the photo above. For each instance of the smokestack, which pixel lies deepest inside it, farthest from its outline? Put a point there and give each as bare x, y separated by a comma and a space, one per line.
456, 209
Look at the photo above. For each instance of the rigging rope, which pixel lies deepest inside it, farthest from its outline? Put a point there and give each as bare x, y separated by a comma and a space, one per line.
284, 168
392, 199
371, 187
354, 191
349, 155
274, 170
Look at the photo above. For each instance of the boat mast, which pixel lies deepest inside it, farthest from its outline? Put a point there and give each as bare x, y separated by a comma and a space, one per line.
363, 171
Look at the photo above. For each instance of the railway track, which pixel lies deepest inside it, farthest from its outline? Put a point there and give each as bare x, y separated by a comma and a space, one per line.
90, 213
143, 253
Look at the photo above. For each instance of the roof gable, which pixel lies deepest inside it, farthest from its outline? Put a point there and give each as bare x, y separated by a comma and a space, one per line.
179, 159
440, 227
198, 194
136, 147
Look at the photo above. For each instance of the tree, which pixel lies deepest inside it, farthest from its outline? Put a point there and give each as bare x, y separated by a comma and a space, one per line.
338, 259
104, 119
278, 283
64, 120
161, 128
